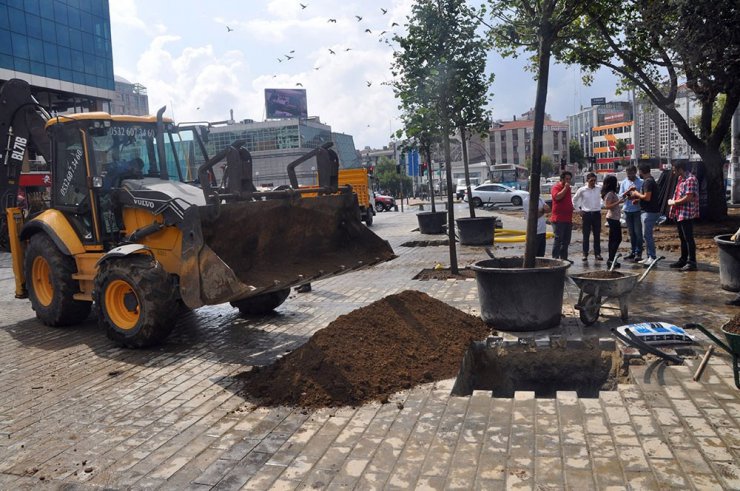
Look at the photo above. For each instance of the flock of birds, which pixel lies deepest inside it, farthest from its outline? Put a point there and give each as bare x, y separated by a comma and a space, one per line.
382, 37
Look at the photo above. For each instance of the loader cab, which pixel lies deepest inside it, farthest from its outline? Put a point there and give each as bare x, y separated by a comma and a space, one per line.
92, 153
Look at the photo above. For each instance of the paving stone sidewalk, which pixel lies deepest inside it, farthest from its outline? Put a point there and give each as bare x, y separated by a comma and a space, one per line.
79, 413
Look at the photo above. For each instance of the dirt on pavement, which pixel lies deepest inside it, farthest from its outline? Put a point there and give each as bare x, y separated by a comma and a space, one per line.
390, 345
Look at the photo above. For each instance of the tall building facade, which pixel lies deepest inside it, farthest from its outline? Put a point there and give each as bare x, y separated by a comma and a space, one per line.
656, 134
130, 98
62, 48
511, 141
581, 125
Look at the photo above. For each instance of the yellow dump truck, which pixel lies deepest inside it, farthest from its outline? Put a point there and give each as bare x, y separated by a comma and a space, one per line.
358, 179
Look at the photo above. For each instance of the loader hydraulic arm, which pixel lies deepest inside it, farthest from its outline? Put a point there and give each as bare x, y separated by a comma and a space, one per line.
22, 127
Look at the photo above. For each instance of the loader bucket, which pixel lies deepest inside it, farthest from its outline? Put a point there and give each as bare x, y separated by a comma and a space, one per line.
256, 247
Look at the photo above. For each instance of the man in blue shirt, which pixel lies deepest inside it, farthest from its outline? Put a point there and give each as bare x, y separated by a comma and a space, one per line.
632, 214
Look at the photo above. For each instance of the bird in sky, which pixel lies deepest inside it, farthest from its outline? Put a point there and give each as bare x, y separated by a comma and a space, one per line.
316, 67
292, 51
228, 29
288, 57
385, 11
368, 31
368, 83
358, 18
280, 60
382, 33
332, 20
197, 108
299, 84
331, 51
302, 6
394, 24
347, 49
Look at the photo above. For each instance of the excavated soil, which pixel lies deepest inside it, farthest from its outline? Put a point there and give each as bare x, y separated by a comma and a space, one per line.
390, 345
733, 327
444, 274
603, 275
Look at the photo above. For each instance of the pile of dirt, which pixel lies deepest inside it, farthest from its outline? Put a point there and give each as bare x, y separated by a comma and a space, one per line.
733, 327
602, 275
393, 344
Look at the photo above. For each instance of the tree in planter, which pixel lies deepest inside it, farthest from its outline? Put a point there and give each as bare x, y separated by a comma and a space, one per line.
654, 46
438, 72
541, 27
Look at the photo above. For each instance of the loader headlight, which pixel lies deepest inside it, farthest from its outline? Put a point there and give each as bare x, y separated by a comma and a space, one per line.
97, 182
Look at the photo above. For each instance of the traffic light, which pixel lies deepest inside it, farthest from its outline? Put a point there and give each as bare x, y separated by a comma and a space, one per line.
562, 164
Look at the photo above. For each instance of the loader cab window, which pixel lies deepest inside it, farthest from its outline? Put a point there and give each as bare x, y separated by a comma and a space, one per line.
123, 151
70, 189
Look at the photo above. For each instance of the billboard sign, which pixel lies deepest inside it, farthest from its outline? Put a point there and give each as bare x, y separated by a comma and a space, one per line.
412, 163
286, 103
598, 101
614, 118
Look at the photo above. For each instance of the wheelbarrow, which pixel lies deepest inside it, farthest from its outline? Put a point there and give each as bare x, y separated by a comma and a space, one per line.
733, 340
595, 292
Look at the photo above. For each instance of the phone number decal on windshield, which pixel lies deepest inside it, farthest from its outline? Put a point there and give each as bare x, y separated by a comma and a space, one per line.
135, 131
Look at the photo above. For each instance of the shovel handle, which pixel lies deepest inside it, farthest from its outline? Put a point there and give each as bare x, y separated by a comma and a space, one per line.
703, 364
660, 258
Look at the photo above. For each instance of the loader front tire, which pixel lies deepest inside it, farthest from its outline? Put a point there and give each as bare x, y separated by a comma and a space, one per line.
136, 301
50, 285
261, 304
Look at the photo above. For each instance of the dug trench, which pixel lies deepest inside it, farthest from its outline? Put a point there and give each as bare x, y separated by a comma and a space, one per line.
410, 338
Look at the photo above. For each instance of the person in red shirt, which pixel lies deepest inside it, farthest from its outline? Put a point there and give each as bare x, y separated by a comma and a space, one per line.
684, 210
562, 216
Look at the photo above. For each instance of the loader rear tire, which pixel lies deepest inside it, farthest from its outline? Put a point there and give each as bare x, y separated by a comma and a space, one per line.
48, 274
136, 300
261, 304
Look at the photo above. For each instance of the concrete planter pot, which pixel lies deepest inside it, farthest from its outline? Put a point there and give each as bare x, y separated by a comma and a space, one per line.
521, 299
432, 222
729, 263
476, 230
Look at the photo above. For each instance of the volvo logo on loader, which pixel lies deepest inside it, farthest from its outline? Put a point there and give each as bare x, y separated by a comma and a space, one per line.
144, 202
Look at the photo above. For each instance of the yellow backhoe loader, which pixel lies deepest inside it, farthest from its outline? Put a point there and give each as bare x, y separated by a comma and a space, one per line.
129, 229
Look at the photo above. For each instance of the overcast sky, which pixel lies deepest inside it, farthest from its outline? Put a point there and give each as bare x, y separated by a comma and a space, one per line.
203, 58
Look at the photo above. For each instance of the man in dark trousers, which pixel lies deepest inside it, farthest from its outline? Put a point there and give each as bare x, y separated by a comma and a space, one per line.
562, 216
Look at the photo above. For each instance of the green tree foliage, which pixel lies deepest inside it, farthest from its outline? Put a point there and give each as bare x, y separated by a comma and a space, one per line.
439, 77
654, 47
576, 153
389, 180
540, 28
547, 167
621, 151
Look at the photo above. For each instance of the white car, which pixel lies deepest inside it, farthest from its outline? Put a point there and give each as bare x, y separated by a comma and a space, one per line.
496, 193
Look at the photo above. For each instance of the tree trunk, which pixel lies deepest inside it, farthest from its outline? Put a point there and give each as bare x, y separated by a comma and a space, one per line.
543, 73
450, 207
466, 166
714, 178
431, 180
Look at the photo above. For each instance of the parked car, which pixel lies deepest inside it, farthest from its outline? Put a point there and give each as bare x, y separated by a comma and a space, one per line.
383, 202
496, 193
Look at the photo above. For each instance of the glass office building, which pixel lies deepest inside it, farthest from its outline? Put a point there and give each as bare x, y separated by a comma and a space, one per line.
60, 45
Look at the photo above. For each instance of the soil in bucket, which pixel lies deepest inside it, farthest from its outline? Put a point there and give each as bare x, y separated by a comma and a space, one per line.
369, 354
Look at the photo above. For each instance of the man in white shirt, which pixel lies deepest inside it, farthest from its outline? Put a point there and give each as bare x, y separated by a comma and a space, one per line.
587, 201
542, 208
